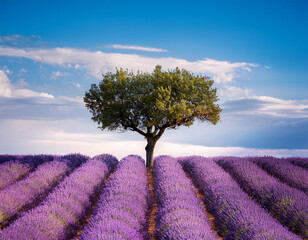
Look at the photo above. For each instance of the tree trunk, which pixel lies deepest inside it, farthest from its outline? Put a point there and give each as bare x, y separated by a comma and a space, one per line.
150, 152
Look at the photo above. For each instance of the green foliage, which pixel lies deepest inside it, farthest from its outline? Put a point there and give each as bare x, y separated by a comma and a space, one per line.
149, 103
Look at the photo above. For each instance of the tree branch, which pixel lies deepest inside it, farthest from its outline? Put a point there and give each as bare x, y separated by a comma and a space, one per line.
134, 128
160, 133
155, 130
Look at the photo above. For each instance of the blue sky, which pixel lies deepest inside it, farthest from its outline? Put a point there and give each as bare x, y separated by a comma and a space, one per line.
256, 52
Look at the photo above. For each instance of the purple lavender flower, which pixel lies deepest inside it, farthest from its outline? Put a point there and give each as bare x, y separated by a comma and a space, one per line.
11, 171
237, 216
61, 211
123, 207
179, 214
302, 162
14, 198
6, 157
285, 171
288, 205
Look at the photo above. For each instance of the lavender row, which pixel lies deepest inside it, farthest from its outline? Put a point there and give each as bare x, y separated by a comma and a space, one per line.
25, 193
179, 214
11, 171
302, 162
35, 160
237, 216
59, 214
288, 205
6, 157
123, 208
285, 171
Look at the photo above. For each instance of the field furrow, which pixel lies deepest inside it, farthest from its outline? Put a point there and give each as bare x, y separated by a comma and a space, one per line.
179, 213
6, 158
12, 171
83, 222
60, 214
285, 171
288, 205
301, 162
75, 197
237, 216
205, 207
152, 218
123, 208
30, 191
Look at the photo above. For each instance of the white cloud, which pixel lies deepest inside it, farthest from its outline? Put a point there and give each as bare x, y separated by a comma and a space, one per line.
8, 90
11, 38
20, 40
139, 48
175, 149
264, 105
21, 83
24, 93
99, 62
5, 85
34, 137
57, 74
231, 91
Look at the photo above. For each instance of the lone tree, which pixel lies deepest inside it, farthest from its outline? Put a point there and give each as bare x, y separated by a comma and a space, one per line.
150, 103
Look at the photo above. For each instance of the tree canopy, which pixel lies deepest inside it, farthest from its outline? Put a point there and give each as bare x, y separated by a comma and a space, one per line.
150, 103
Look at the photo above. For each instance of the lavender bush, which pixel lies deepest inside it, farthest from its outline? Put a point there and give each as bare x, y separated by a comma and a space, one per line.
14, 198
6, 157
285, 171
258, 199
123, 207
12, 171
179, 214
302, 162
237, 216
108, 159
75, 160
288, 205
62, 210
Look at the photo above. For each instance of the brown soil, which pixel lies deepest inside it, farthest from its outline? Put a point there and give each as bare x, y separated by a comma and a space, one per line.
33, 204
204, 208
154, 205
90, 213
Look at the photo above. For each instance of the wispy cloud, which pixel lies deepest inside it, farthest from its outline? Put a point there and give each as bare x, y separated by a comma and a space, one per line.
23, 103
99, 62
231, 91
264, 105
8, 90
20, 40
11, 38
46, 137
138, 48
57, 74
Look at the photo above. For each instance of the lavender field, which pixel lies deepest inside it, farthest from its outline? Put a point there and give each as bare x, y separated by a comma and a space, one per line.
78, 197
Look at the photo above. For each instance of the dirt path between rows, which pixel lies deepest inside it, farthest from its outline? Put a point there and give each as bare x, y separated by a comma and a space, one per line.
204, 207
152, 218
93, 207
